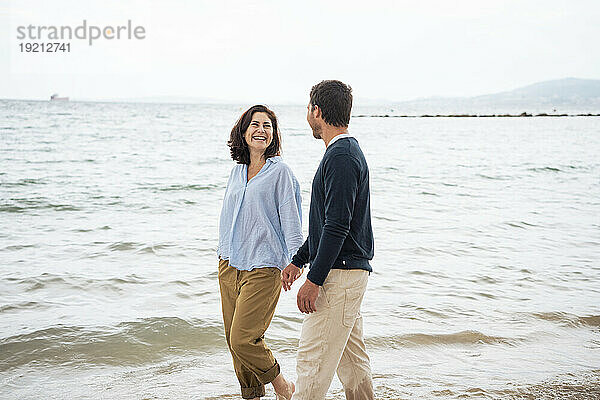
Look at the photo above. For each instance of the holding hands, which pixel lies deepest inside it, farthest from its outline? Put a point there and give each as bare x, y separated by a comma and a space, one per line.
289, 275
307, 295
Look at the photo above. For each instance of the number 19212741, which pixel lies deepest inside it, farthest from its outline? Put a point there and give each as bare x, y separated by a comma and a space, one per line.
45, 47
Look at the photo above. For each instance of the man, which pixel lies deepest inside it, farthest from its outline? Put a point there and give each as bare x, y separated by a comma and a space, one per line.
338, 248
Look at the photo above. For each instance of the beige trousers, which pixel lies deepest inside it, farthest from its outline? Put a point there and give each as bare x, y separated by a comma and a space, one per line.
248, 300
332, 340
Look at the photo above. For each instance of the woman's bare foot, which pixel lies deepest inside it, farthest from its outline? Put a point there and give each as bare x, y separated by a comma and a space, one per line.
283, 389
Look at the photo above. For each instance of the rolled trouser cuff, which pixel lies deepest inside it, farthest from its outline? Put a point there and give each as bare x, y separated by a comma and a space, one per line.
270, 375
252, 392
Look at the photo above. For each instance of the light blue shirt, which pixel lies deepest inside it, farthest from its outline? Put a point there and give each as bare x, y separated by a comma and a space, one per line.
261, 220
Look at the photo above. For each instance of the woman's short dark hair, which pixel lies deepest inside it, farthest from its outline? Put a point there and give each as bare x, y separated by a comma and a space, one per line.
334, 98
237, 142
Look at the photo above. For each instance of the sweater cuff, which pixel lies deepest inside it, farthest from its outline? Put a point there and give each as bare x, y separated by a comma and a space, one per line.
316, 277
297, 262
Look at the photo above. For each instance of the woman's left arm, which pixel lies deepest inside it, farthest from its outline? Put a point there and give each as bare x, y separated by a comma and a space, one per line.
290, 213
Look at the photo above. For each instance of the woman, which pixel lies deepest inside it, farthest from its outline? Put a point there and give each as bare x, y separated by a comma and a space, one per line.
260, 228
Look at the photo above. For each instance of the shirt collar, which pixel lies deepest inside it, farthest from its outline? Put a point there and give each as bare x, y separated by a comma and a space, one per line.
274, 159
340, 136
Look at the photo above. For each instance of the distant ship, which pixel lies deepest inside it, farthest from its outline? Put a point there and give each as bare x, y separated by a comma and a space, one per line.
55, 97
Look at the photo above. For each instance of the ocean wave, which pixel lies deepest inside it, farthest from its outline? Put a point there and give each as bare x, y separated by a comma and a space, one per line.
24, 305
124, 246
189, 187
569, 320
19, 209
23, 205
149, 339
140, 247
561, 168
495, 178
214, 161
127, 343
379, 217
83, 230
153, 248
180, 187
520, 224
19, 247
583, 385
24, 182
62, 161
544, 169
73, 282
422, 339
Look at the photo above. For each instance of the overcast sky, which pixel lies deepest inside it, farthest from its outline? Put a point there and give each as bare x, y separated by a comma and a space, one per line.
274, 51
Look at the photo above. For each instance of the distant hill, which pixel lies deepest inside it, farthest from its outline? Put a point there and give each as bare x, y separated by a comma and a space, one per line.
562, 95
569, 95
561, 90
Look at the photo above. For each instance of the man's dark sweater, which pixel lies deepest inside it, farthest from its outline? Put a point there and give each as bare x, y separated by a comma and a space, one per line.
339, 226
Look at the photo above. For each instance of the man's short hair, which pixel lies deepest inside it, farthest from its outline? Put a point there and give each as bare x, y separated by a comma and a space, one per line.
334, 98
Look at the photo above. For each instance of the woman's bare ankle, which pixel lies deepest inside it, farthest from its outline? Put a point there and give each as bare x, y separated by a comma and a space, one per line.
283, 387
280, 383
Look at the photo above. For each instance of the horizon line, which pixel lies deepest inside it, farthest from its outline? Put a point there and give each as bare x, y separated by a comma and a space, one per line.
178, 99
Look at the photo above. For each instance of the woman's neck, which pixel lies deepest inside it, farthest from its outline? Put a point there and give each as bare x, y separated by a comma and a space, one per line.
257, 159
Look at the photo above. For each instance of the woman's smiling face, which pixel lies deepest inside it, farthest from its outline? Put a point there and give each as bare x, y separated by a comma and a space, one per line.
259, 134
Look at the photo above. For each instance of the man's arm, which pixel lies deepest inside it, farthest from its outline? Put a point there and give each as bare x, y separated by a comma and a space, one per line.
301, 257
341, 180
342, 174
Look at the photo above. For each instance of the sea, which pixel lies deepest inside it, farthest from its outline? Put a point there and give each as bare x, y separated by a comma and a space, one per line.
486, 281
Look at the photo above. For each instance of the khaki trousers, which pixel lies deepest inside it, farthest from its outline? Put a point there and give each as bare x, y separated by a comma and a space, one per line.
248, 300
332, 340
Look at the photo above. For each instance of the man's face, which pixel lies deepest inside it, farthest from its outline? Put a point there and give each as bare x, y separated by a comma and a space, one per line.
312, 121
